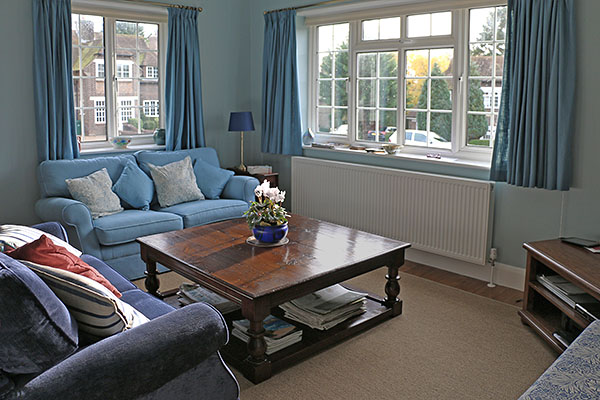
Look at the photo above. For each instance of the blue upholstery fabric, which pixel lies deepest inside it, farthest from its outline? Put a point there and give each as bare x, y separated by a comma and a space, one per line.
53, 80
210, 179
206, 154
150, 306
52, 174
36, 330
203, 212
537, 112
117, 280
134, 187
136, 363
131, 224
183, 91
240, 187
575, 374
53, 228
281, 118
131, 267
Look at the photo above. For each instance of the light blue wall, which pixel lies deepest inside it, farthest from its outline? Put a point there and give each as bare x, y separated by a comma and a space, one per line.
520, 214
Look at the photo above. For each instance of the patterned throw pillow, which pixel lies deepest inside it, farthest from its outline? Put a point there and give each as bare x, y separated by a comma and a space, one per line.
44, 252
175, 183
14, 236
95, 191
96, 310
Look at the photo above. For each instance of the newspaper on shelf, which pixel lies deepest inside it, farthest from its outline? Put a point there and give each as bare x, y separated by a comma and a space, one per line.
279, 334
192, 293
259, 169
325, 308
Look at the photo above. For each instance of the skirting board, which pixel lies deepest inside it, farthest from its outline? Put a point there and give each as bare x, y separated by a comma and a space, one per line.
504, 275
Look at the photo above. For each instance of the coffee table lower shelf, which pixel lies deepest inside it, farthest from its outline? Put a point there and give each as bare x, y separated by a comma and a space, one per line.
313, 341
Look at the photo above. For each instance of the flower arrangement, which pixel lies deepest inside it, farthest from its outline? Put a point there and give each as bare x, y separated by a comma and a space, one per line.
267, 211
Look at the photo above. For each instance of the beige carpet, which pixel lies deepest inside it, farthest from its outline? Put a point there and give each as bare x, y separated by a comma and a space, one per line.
447, 344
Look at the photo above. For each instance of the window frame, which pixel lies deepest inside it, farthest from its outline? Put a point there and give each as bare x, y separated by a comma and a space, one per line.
112, 12
458, 40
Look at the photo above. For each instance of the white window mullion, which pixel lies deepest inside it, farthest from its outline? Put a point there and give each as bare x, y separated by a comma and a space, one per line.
110, 76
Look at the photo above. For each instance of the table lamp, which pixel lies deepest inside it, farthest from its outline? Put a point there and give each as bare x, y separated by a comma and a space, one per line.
241, 121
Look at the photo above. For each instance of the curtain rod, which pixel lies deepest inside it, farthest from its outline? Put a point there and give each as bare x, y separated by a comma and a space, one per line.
156, 3
321, 3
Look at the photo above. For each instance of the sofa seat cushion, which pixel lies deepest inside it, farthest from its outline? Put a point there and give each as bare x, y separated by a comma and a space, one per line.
130, 224
147, 304
204, 212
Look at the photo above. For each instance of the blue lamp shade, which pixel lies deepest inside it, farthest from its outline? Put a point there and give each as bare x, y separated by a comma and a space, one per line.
241, 121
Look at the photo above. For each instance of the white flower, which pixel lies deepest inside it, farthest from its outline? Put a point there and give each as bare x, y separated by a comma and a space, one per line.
258, 191
280, 197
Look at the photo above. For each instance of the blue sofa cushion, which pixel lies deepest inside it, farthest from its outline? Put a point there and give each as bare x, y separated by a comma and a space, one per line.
210, 179
134, 187
52, 174
203, 212
113, 276
130, 224
148, 305
36, 329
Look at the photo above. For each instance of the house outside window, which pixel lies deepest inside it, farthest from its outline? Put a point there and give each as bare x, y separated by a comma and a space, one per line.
428, 80
151, 108
111, 60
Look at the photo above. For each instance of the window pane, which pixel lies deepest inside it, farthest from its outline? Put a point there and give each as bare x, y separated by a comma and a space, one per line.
367, 65
478, 130
480, 94
341, 64
366, 125
325, 64
441, 23
497, 94
389, 28
91, 30
417, 63
367, 89
340, 36
441, 62
416, 93
419, 25
370, 29
411, 120
481, 27
148, 36
325, 120
388, 93
341, 95
440, 129
126, 34
325, 38
388, 64
481, 59
500, 59
441, 94
325, 93
500, 23
387, 126
341, 121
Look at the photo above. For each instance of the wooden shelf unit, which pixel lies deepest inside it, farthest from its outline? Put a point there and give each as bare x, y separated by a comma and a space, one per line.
542, 309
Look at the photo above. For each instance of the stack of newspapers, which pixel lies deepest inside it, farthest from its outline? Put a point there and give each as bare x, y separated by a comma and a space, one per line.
279, 334
192, 293
326, 308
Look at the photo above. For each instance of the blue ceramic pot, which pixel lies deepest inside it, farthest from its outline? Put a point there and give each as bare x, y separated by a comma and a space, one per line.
270, 234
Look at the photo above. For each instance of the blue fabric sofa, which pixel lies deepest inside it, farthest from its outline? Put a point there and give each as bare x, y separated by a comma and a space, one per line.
575, 375
112, 238
173, 356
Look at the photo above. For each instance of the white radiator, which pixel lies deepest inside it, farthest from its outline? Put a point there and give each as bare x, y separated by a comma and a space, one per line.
438, 214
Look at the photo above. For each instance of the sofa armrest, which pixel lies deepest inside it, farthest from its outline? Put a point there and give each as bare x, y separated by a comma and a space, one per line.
240, 187
54, 229
136, 362
76, 217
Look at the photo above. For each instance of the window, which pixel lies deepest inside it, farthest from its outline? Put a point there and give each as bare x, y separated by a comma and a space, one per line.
151, 108
126, 103
440, 88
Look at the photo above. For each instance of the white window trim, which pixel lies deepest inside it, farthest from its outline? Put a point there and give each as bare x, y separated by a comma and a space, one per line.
98, 63
154, 72
152, 106
112, 11
458, 40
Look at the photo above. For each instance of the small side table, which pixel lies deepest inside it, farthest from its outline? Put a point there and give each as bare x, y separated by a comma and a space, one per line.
271, 177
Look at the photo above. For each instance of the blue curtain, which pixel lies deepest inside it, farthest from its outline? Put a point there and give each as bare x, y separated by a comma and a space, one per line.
183, 92
281, 119
535, 125
53, 80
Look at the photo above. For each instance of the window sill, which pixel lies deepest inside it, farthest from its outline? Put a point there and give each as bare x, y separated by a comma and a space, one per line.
129, 149
404, 154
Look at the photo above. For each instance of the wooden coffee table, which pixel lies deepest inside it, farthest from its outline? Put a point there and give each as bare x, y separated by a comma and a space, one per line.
319, 254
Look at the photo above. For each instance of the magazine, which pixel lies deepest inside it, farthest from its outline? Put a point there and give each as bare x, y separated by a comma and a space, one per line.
279, 334
192, 293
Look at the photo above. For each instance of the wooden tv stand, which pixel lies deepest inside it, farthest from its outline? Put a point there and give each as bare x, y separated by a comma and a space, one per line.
544, 311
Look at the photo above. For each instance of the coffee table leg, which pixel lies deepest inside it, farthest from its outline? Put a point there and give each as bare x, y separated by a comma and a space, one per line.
152, 283
392, 290
258, 367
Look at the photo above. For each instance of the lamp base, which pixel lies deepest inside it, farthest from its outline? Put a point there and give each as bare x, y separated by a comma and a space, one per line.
241, 168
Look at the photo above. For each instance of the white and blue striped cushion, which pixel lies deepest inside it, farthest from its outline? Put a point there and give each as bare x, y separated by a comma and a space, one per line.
18, 235
96, 310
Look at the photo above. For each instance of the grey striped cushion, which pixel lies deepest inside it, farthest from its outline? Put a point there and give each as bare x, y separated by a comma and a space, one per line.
18, 235
96, 310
